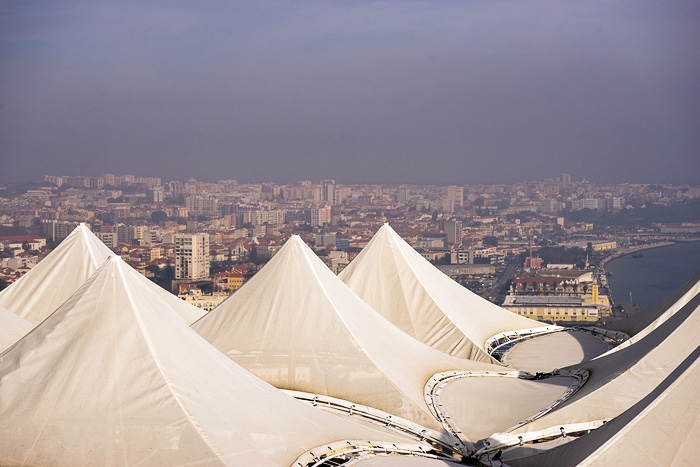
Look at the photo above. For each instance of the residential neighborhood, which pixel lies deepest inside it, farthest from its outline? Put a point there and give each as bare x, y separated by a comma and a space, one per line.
508, 243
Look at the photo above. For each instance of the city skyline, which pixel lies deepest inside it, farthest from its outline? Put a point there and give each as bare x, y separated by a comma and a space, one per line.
364, 92
116, 179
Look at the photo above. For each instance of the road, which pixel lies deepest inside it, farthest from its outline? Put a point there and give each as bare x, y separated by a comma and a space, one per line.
508, 273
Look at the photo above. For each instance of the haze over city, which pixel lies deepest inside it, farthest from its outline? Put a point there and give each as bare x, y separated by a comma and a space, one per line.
364, 92
323, 233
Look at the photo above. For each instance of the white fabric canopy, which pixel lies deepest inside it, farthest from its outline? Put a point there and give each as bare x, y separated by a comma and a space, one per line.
622, 378
527, 450
555, 350
299, 327
12, 328
114, 377
661, 429
480, 406
405, 288
644, 322
47, 285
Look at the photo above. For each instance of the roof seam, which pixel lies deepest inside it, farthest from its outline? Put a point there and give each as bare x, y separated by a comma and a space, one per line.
422, 407
417, 276
83, 232
610, 442
166, 378
73, 357
662, 318
481, 346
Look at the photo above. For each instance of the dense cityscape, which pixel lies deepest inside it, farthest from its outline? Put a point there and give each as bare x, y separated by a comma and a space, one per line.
534, 247
362, 234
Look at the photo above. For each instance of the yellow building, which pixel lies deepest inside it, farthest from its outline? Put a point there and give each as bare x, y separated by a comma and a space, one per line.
602, 302
555, 309
234, 282
604, 246
596, 245
154, 254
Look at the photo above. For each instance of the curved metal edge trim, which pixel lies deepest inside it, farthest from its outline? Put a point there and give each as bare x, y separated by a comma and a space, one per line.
433, 388
617, 336
494, 342
420, 433
353, 449
499, 441
439, 381
509, 338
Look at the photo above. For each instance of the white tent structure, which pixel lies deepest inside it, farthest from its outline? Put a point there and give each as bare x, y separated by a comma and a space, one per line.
618, 380
12, 328
298, 327
562, 349
47, 285
546, 352
644, 322
480, 405
661, 429
114, 377
405, 288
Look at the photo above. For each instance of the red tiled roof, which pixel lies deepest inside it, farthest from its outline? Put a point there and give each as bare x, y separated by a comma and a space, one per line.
20, 238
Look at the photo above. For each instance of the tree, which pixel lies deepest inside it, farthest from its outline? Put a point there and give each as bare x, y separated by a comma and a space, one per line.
159, 216
251, 271
444, 259
490, 240
178, 200
253, 255
13, 230
550, 254
503, 204
162, 277
169, 273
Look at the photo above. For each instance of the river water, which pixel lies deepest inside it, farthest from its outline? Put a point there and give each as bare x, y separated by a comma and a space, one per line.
658, 273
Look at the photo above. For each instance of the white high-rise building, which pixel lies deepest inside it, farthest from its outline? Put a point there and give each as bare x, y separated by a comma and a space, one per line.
456, 194
328, 191
319, 216
403, 195
138, 232
453, 230
192, 256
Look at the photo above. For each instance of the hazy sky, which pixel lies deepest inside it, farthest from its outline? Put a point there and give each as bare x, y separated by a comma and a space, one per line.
479, 91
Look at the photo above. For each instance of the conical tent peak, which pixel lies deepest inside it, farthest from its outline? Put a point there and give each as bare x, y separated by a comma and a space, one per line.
298, 326
296, 239
394, 279
48, 284
114, 378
